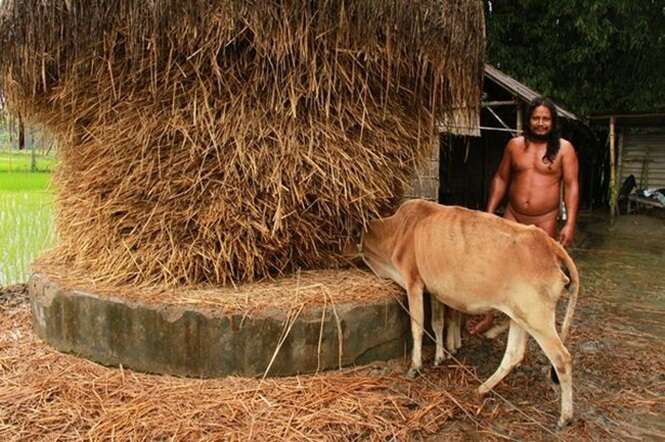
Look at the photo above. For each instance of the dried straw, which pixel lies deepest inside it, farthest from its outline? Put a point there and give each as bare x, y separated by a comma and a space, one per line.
48, 395
226, 140
308, 289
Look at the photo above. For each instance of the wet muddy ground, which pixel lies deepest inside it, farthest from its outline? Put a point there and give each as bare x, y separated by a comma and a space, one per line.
624, 305
616, 342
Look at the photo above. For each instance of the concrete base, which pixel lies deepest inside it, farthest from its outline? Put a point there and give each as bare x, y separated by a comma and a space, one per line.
188, 341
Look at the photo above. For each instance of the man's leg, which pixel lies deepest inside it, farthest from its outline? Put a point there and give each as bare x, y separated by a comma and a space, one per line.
475, 327
549, 226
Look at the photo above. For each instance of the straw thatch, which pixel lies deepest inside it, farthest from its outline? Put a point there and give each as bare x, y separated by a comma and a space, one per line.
225, 140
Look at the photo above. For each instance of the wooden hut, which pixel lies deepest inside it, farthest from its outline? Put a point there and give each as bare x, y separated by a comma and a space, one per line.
468, 163
636, 144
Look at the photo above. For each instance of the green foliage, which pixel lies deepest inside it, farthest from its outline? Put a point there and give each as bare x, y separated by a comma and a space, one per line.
20, 161
26, 229
591, 55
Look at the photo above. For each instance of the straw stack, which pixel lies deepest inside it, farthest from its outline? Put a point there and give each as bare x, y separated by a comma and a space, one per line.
224, 140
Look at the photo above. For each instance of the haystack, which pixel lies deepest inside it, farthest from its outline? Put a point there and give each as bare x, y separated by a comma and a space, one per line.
225, 140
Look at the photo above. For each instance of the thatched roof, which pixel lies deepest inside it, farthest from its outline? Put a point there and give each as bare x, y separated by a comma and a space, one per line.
224, 140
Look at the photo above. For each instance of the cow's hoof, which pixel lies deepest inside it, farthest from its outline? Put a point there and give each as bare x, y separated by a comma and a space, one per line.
452, 351
439, 360
563, 423
413, 373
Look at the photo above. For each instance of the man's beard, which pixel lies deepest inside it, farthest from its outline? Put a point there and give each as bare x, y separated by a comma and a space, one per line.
538, 137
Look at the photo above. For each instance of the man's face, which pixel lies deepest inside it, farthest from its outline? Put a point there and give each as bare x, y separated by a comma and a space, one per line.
541, 121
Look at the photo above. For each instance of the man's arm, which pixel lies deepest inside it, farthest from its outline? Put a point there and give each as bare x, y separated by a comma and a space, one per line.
571, 192
501, 179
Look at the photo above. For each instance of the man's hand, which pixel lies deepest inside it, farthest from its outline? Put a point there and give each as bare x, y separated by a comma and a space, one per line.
566, 235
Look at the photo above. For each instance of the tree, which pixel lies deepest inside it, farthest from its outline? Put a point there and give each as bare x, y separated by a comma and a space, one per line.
590, 55
21, 133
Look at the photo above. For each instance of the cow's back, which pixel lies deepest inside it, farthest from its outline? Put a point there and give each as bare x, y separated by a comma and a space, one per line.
481, 255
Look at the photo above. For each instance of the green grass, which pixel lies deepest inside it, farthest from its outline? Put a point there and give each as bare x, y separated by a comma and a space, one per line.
27, 224
20, 161
24, 181
15, 172
27, 227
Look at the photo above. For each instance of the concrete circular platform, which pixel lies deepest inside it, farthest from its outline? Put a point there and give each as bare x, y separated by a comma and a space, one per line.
197, 340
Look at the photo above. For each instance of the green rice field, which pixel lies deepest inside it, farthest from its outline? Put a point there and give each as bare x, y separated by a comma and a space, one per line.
20, 161
27, 224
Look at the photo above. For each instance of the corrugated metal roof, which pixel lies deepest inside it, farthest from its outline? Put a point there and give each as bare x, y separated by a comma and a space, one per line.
520, 90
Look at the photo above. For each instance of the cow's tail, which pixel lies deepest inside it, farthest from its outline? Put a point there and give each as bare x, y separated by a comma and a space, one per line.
572, 289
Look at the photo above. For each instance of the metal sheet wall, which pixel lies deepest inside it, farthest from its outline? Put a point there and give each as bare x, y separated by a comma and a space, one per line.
643, 155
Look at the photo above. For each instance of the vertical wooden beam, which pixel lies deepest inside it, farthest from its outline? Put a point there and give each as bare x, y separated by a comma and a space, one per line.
613, 178
620, 137
518, 110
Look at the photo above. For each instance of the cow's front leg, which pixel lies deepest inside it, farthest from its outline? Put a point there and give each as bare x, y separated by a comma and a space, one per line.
414, 291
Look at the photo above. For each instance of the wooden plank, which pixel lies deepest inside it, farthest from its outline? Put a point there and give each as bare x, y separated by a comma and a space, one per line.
613, 178
498, 103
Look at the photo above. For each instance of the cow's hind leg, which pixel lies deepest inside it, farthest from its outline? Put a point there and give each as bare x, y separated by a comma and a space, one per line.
561, 361
414, 291
514, 354
438, 324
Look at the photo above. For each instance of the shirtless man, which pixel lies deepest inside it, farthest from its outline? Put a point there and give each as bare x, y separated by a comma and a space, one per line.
532, 170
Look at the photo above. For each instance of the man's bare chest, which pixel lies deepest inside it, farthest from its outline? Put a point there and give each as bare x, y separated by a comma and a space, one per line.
533, 160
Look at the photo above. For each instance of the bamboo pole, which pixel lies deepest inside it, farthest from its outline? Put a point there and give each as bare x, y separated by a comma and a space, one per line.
620, 141
613, 184
518, 110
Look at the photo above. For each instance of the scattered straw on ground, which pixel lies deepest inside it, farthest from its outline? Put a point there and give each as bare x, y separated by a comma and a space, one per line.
619, 386
47, 394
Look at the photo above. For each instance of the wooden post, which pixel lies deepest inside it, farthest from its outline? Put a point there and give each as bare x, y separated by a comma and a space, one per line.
518, 108
620, 136
613, 178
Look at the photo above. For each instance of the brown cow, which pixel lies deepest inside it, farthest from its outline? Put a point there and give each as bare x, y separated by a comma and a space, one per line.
474, 262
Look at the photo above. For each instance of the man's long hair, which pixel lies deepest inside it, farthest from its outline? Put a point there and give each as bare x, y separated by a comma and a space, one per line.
554, 137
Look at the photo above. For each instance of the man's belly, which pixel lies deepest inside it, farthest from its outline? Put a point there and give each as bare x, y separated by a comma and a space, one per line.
534, 202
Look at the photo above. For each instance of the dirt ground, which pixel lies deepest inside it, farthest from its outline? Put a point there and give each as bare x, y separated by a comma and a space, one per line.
616, 342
